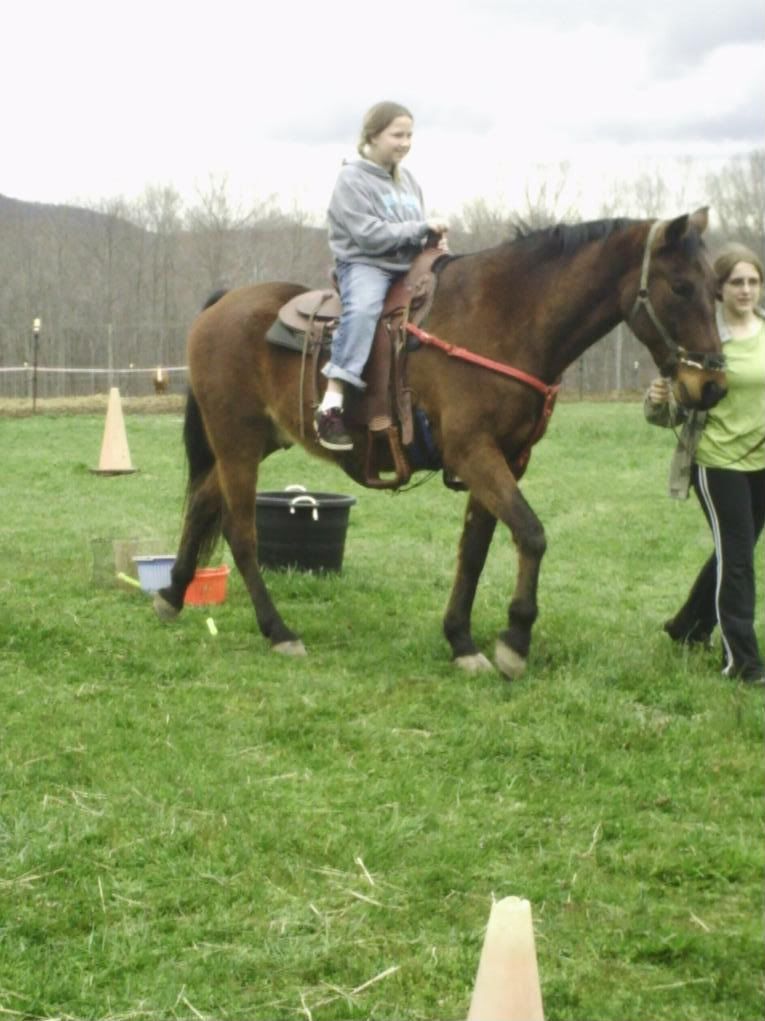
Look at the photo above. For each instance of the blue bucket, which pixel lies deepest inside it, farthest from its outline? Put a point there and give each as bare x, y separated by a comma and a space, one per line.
154, 572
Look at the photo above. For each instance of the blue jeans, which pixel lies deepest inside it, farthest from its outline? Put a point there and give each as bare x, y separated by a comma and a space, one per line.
362, 291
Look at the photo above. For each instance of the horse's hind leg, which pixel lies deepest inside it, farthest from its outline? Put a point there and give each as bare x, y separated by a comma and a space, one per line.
238, 476
201, 525
477, 533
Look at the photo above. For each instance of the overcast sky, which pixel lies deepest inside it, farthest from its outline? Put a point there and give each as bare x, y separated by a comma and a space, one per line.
101, 100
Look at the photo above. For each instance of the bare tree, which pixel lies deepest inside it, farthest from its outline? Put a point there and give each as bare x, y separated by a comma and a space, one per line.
545, 201
737, 194
160, 212
145, 267
479, 226
217, 226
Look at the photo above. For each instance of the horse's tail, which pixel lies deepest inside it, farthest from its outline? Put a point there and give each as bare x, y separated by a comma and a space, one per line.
206, 508
215, 296
201, 462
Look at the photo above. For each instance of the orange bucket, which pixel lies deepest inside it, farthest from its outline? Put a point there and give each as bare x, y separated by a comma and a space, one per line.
208, 586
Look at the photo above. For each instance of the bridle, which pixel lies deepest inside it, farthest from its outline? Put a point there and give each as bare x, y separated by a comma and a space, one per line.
679, 355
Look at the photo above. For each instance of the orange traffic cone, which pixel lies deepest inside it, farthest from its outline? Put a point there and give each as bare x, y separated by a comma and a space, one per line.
115, 454
507, 984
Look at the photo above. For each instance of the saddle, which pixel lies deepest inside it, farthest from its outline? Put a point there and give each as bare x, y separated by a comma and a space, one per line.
306, 324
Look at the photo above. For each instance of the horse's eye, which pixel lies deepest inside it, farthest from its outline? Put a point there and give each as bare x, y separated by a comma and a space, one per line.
683, 288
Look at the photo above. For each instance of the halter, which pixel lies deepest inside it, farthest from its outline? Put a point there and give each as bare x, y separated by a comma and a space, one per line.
692, 359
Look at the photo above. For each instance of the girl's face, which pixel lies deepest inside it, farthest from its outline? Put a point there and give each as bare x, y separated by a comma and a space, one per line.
390, 146
741, 291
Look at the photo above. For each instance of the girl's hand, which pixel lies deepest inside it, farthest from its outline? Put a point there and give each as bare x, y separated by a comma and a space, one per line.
437, 231
437, 225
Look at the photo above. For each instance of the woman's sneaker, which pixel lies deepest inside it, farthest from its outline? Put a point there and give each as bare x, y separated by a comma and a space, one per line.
331, 430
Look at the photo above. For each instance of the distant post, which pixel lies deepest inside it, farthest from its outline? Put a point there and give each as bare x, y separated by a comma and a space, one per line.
110, 353
35, 346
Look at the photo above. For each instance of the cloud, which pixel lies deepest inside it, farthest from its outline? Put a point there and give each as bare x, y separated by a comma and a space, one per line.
675, 35
495, 86
689, 31
721, 98
337, 124
742, 127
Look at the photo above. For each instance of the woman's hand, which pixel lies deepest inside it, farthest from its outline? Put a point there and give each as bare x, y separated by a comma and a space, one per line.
658, 391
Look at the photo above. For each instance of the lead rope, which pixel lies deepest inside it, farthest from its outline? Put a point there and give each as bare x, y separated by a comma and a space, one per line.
303, 357
309, 340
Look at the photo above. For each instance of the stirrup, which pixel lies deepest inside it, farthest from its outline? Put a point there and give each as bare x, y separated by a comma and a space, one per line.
402, 471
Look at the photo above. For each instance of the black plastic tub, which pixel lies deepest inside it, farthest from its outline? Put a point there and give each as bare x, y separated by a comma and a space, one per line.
302, 530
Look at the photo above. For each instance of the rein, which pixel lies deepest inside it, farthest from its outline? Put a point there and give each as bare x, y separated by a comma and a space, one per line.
691, 359
549, 392
464, 355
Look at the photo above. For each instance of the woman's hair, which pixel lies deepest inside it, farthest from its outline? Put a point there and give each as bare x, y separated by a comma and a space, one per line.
376, 119
729, 256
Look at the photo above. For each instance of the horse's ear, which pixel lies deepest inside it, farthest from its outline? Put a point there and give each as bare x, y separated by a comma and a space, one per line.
700, 219
677, 229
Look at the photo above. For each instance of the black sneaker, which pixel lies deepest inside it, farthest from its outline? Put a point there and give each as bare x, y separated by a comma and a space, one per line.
753, 675
331, 430
756, 679
684, 635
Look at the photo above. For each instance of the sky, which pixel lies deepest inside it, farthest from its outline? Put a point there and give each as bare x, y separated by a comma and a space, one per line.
267, 96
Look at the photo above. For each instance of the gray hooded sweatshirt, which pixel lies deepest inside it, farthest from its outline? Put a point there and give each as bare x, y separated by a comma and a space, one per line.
375, 219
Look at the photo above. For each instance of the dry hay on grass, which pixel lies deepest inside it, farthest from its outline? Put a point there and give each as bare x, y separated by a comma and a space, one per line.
21, 407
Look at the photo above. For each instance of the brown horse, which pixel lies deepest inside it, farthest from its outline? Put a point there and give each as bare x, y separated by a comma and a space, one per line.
535, 303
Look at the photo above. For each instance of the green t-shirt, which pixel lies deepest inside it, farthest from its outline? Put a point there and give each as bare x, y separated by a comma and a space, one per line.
737, 423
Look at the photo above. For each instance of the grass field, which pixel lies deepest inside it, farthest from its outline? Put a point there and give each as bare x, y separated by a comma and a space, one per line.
192, 826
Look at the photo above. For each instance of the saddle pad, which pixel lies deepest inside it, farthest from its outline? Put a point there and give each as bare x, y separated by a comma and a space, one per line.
293, 340
322, 305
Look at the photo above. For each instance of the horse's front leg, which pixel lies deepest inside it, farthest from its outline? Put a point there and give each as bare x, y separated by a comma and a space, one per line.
493, 486
477, 533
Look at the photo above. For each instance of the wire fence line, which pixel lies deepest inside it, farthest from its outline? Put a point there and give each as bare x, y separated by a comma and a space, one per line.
24, 381
584, 378
618, 365
160, 369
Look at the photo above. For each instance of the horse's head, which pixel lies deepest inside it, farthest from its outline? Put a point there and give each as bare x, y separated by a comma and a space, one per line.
674, 310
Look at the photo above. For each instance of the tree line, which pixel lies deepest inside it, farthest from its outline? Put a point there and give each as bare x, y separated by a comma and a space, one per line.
118, 283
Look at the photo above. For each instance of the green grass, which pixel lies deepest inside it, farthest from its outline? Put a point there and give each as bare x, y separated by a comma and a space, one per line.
193, 826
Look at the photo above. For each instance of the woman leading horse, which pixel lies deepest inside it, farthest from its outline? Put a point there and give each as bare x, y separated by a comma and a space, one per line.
533, 304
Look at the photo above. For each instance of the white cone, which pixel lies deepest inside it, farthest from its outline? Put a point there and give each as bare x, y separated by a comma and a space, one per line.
507, 984
115, 453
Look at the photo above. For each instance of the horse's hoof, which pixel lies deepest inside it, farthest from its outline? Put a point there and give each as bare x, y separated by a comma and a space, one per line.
476, 663
292, 648
164, 610
508, 661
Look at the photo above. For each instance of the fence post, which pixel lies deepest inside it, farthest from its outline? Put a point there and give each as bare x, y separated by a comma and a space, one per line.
35, 345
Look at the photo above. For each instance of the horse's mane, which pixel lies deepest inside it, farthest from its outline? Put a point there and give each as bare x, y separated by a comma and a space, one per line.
564, 238
549, 242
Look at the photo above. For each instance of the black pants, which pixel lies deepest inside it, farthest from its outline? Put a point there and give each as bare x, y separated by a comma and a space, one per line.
724, 591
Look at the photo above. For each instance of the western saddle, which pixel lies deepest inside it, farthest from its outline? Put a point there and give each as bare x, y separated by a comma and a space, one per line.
306, 323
